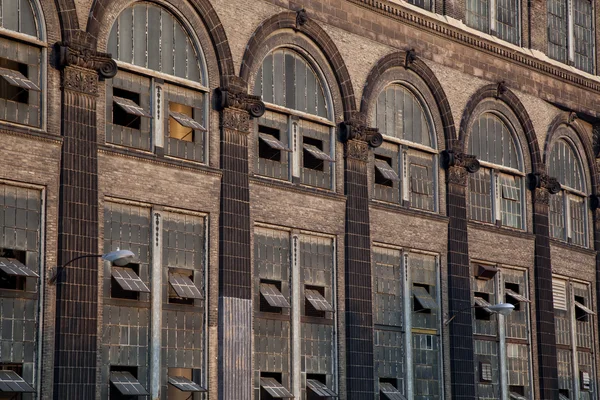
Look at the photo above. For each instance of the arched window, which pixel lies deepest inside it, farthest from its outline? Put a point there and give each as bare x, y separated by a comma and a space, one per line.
496, 190
295, 135
21, 67
158, 100
406, 163
568, 220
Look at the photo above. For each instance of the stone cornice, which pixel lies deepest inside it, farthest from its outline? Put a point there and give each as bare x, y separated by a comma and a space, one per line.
514, 54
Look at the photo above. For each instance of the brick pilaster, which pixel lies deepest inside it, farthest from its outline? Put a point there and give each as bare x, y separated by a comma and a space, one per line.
543, 188
359, 304
75, 352
235, 278
462, 359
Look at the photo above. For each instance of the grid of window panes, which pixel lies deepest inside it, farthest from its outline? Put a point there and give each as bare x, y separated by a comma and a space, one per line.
557, 29
480, 195
385, 188
148, 36
510, 207
273, 162
583, 35
421, 185
507, 20
493, 143
316, 171
478, 15
565, 165
183, 244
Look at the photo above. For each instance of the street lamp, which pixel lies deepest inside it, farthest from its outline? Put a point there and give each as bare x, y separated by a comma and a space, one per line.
500, 308
118, 257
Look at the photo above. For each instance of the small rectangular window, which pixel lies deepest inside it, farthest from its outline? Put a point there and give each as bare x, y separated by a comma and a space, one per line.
313, 155
182, 383
124, 383
12, 384
182, 289
513, 295
315, 304
582, 312
181, 122
271, 386
482, 302
269, 145
13, 272
385, 174
423, 302
14, 85
517, 392
126, 283
388, 387
317, 387
126, 109
271, 299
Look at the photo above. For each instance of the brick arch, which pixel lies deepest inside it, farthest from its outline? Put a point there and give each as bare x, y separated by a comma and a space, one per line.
585, 144
287, 20
505, 95
398, 59
206, 12
67, 16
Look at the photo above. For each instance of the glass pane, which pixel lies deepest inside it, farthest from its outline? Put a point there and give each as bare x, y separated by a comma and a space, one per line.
493, 141
510, 204
480, 195
154, 38
27, 23
140, 19
290, 81
507, 20
557, 29
478, 15
583, 32
125, 36
578, 225
565, 165
557, 216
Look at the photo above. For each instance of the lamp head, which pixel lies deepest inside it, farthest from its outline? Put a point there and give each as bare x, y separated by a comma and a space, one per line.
119, 258
502, 308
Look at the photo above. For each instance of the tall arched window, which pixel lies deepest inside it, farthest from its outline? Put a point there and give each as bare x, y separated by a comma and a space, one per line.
295, 135
496, 190
158, 100
21, 67
568, 214
406, 163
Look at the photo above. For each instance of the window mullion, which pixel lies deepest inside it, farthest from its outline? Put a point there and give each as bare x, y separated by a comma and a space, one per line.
570, 32
499, 281
296, 302
568, 222
405, 175
158, 105
493, 13
156, 305
296, 150
572, 323
408, 328
496, 206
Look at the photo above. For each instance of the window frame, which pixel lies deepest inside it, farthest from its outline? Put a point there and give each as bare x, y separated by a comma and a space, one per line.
405, 324
159, 82
493, 22
501, 337
294, 133
570, 45
402, 158
497, 171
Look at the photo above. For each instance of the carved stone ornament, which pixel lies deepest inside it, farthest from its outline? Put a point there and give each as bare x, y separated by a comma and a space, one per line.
596, 139
234, 98
410, 57
80, 80
355, 129
538, 180
453, 158
572, 118
70, 54
595, 202
235, 119
301, 18
501, 89
356, 150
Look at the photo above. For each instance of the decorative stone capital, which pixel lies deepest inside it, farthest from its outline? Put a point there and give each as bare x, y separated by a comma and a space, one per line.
80, 80
459, 166
234, 96
357, 138
235, 119
76, 55
543, 186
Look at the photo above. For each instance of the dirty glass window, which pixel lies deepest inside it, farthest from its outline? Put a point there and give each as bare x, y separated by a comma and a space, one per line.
405, 166
295, 135
496, 190
20, 64
573, 315
568, 209
503, 23
489, 287
571, 34
158, 99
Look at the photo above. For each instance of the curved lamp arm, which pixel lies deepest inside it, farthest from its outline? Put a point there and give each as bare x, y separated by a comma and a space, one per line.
500, 308
117, 257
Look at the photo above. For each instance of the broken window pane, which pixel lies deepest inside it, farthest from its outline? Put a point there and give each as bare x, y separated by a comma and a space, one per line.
510, 203
421, 173
317, 161
185, 132
480, 195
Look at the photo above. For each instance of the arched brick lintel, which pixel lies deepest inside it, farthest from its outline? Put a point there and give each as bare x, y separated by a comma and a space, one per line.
502, 93
584, 140
207, 14
67, 14
287, 20
398, 59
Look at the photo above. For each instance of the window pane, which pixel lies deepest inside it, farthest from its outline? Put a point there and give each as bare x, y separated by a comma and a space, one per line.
184, 141
517, 360
565, 371
421, 185
507, 20
583, 32
271, 162
478, 15
480, 195
486, 356
557, 29
146, 35
400, 114
565, 165
387, 288
315, 171
557, 216
578, 226
384, 188
426, 4
494, 142
510, 204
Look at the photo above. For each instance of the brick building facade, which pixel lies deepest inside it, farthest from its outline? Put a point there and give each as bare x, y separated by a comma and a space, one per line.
324, 199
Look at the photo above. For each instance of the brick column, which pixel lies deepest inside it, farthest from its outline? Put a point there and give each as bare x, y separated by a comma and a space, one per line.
538, 25
359, 304
543, 186
75, 352
462, 362
235, 277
